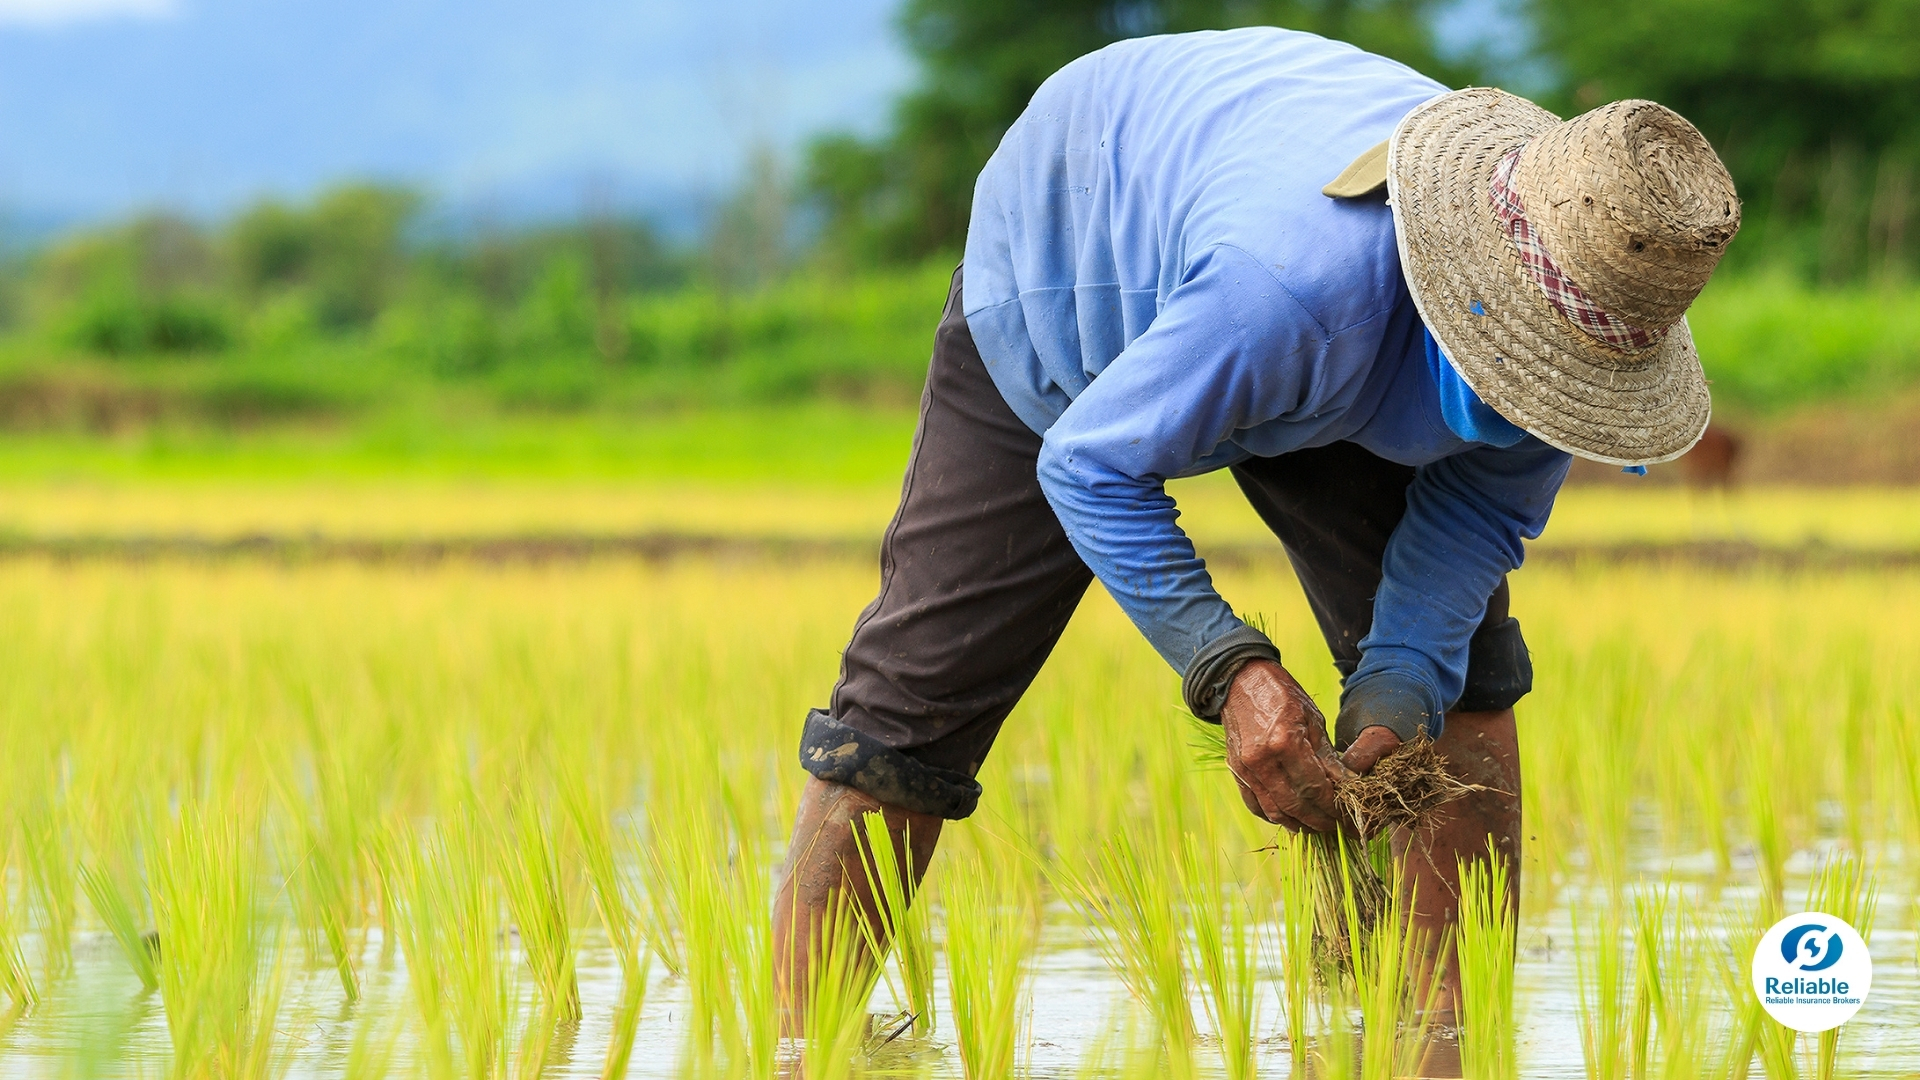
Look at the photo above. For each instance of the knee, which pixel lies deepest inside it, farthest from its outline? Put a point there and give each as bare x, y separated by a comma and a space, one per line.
1499, 669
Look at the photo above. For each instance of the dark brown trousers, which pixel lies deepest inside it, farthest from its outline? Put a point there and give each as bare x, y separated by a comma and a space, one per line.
978, 580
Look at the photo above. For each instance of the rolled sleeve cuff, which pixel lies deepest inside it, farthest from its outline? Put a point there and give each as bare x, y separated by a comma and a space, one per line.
1389, 700
1211, 673
840, 754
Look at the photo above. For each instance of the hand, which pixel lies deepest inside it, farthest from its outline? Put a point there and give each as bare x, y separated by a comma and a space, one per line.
1368, 748
1278, 750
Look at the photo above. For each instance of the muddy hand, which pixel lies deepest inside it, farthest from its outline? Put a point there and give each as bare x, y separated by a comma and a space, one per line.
1278, 750
1368, 748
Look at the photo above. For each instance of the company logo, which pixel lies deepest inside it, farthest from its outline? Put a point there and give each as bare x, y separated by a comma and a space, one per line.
1811, 971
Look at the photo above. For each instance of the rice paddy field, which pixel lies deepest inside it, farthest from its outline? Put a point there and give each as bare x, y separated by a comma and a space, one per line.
299, 816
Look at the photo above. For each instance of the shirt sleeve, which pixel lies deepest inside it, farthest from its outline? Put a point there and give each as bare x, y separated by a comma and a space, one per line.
1230, 349
1467, 515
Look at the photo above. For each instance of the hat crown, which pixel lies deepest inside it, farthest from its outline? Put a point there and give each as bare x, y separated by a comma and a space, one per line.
1633, 203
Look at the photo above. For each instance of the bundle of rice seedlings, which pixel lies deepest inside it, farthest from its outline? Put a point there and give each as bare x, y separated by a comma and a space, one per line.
1402, 791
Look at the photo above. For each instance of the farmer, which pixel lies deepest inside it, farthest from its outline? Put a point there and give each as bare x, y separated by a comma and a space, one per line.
1393, 312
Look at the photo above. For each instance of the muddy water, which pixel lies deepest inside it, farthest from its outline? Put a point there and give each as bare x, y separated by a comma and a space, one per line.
97, 1022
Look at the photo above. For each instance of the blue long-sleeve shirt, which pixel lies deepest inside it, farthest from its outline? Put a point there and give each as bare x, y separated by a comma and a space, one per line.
1159, 288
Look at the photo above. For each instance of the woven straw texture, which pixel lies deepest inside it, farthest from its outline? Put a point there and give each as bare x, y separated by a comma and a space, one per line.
1631, 202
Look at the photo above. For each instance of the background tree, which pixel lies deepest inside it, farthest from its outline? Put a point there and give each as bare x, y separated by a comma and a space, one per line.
1814, 104
907, 194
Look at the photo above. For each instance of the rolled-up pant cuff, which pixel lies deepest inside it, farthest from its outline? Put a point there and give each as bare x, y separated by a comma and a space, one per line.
840, 754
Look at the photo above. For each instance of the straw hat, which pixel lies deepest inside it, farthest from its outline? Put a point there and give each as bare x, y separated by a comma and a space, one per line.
1555, 260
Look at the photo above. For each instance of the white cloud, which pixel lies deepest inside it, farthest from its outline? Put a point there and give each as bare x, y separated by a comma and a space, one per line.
58, 12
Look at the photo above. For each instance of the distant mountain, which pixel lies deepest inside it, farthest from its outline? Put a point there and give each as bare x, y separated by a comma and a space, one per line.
503, 106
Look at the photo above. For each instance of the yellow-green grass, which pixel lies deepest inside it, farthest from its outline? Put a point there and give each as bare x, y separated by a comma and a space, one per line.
614, 741
1213, 511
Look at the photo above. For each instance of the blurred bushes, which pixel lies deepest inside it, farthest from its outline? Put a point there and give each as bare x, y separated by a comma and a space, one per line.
1770, 343
345, 252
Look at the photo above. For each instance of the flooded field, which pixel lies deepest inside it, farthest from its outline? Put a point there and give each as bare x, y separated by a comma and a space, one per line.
380, 820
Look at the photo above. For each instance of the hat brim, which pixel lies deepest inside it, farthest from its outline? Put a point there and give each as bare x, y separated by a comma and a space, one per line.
1517, 352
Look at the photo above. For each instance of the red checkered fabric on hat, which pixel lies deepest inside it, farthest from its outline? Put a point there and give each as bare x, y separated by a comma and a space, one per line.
1562, 293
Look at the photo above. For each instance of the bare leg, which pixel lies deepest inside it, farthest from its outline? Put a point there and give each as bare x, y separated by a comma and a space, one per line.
1479, 748
826, 864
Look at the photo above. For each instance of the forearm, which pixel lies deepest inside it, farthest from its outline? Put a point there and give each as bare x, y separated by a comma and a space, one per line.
1127, 531
1466, 520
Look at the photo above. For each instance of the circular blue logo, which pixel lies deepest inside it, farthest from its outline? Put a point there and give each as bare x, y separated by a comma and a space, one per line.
1811, 947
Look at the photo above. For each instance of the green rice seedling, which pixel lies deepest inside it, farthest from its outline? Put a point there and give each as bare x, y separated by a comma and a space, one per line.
991, 931
585, 805
1485, 944
1690, 1001
686, 856
1225, 956
448, 923
1650, 937
1338, 1052
626, 1020
17, 991
1604, 988
320, 884
1766, 812
46, 841
1667, 1025
536, 898
204, 873
115, 905
1297, 913
370, 1055
1844, 888
1393, 992
840, 982
1127, 899
904, 927
746, 941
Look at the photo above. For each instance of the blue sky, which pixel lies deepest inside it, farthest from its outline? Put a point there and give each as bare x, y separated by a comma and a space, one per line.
111, 105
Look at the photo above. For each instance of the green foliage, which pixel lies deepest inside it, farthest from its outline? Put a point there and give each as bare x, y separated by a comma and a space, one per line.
121, 324
1771, 343
907, 195
347, 250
